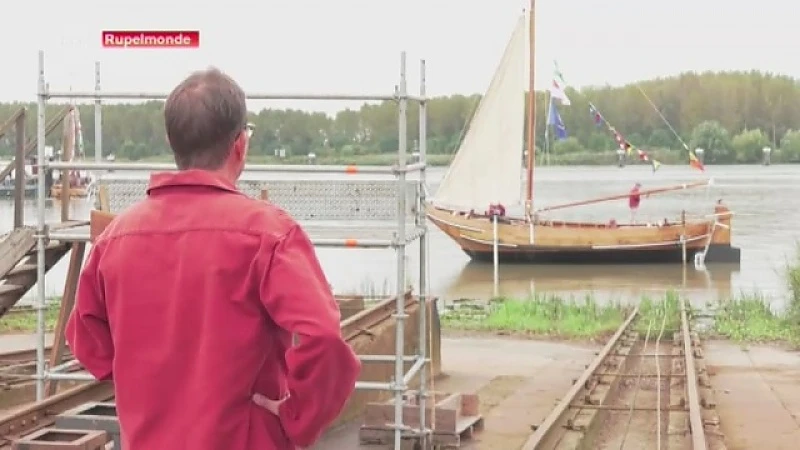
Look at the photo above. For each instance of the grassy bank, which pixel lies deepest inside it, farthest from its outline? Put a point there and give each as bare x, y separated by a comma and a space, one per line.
750, 318
24, 321
541, 315
552, 316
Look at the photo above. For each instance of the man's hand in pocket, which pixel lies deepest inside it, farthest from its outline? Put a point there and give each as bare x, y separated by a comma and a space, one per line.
267, 403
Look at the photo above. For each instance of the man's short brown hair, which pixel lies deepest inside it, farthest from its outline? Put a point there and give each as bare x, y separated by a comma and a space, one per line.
203, 116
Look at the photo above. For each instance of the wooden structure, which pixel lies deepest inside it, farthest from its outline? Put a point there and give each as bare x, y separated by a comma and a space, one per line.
18, 253
452, 418
18, 264
484, 178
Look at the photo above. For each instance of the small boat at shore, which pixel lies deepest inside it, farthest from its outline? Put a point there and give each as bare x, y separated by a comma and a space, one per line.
79, 183
484, 177
74, 191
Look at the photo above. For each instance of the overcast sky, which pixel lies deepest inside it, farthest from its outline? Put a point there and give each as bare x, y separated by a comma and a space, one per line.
353, 45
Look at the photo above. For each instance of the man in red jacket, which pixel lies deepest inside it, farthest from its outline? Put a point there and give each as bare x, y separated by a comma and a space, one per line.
189, 300
634, 198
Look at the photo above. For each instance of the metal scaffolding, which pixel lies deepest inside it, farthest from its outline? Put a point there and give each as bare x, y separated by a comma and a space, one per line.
398, 240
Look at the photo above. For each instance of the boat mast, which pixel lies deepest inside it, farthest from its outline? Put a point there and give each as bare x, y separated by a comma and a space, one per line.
546, 156
531, 116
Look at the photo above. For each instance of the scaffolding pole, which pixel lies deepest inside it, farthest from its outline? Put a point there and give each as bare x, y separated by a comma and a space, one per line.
98, 121
41, 234
85, 95
282, 168
420, 361
400, 315
422, 224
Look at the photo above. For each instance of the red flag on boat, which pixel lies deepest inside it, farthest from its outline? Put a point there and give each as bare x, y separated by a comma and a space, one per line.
694, 161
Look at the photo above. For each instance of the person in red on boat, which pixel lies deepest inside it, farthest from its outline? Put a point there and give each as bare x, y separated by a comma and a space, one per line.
496, 209
634, 198
190, 299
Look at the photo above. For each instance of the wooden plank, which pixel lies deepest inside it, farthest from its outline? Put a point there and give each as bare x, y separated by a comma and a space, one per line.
102, 195
14, 247
10, 289
467, 427
67, 303
11, 121
98, 221
21, 278
54, 122
350, 305
445, 416
19, 175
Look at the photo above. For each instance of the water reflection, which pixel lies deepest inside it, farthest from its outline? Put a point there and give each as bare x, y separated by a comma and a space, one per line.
623, 283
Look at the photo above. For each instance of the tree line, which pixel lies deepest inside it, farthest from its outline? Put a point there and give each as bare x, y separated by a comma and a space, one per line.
731, 115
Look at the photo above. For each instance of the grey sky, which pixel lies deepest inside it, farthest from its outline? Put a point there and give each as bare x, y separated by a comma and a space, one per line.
353, 45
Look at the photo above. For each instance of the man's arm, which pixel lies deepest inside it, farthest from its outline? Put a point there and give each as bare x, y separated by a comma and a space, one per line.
322, 368
87, 330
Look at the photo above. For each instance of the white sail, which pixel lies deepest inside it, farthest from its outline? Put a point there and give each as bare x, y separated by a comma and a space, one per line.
488, 165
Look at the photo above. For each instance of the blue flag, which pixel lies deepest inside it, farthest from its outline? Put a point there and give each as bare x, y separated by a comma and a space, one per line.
554, 119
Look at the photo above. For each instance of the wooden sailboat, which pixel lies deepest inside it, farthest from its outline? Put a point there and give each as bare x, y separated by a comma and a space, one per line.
486, 171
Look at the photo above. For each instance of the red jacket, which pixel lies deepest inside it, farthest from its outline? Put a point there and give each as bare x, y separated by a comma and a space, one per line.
634, 198
188, 301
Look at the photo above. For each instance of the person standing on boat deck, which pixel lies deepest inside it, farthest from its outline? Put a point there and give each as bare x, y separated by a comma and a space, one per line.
189, 300
634, 198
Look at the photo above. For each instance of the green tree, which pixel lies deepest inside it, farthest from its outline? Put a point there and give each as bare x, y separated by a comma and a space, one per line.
660, 138
568, 145
748, 146
706, 109
714, 139
790, 147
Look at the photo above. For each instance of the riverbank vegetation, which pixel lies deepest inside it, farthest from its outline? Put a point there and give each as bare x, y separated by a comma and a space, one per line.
732, 115
552, 316
24, 320
540, 315
746, 318
750, 317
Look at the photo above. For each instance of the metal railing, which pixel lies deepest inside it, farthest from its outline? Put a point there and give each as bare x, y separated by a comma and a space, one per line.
399, 384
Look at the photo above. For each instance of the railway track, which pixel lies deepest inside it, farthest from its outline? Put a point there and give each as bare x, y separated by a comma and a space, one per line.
35, 416
646, 389
18, 367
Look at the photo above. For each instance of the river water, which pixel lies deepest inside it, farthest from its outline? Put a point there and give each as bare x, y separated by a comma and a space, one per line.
765, 199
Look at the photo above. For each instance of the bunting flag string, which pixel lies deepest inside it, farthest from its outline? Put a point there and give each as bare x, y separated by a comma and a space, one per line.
557, 91
694, 161
623, 143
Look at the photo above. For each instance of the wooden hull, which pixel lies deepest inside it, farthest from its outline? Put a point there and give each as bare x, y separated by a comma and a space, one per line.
520, 241
75, 191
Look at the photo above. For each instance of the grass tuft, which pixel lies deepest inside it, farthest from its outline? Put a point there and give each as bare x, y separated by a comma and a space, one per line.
540, 315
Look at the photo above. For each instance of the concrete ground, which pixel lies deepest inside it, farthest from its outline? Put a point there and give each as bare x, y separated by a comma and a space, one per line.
518, 383
16, 342
757, 389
